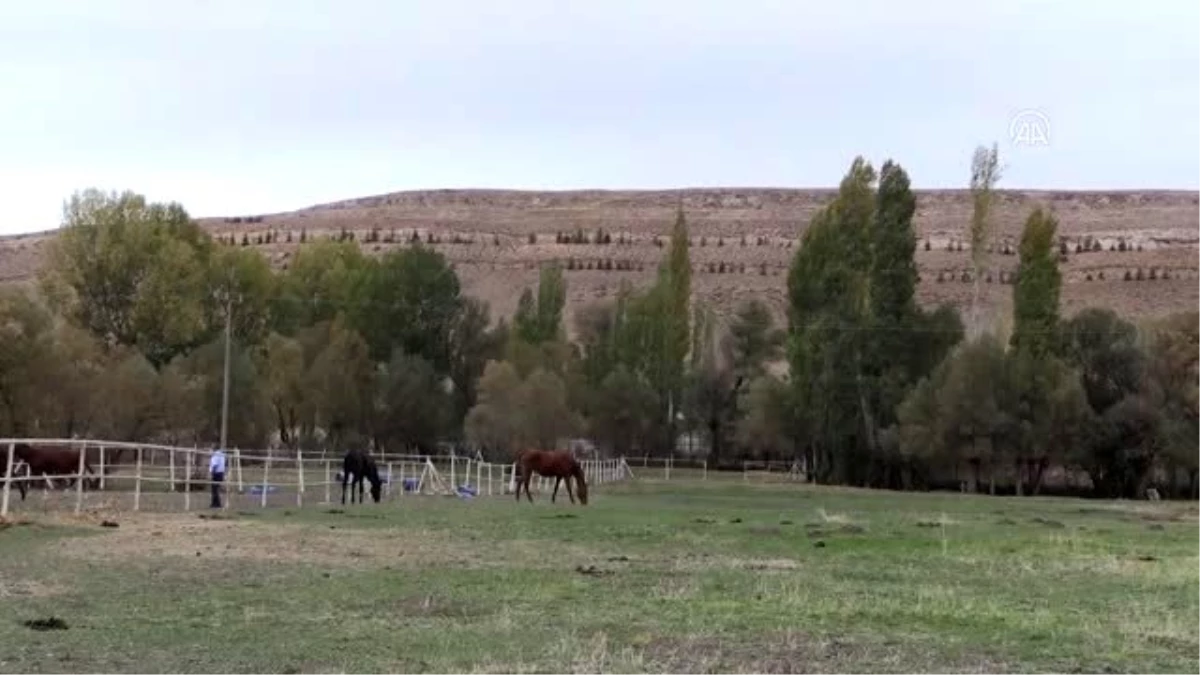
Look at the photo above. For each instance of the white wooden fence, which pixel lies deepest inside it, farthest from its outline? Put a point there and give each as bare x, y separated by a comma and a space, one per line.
163, 477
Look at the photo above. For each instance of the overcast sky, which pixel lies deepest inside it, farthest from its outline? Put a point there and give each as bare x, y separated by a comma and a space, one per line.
255, 106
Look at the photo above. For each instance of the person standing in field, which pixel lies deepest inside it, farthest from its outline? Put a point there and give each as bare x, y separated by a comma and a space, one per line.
216, 470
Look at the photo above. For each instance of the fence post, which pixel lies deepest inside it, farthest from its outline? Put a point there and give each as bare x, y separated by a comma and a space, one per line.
667, 468
390, 481
173, 487
262, 498
453, 480
103, 483
328, 480
237, 453
79, 480
704, 473
491, 491
300, 472
187, 479
12, 448
137, 482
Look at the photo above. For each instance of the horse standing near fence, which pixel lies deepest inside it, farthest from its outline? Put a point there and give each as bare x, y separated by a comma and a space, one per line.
361, 465
53, 460
557, 464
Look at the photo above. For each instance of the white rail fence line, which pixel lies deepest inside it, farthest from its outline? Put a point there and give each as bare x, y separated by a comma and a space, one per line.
185, 470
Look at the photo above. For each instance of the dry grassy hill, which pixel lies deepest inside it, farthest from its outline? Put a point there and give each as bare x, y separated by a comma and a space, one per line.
742, 241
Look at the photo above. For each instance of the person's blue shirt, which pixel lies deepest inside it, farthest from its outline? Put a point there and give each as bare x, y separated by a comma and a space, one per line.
217, 463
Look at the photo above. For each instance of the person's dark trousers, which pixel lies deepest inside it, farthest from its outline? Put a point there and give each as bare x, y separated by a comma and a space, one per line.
217, 479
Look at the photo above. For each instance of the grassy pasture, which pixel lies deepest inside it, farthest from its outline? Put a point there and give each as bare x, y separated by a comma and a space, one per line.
681, 576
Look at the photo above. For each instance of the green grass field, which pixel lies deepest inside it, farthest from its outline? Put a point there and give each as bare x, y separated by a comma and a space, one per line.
652, 576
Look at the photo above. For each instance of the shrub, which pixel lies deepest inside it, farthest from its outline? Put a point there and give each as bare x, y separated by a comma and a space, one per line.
721, 268
762, 269
1128, 275
1100, 275
1139, 275
533, 237
1121, 245
720, 241
288, 237
1153, 274
703, 241
743, 240
928, 246
989, 277
941, 277
966, 277
1088, 277
1096, 246
245, 239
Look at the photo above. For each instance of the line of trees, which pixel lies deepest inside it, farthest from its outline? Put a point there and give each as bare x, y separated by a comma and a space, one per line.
123, 339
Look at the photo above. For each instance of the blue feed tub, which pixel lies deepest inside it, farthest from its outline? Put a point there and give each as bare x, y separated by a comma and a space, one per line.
410, 484
258, 489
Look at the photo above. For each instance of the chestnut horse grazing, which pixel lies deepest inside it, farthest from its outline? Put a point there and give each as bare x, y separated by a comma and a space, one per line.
53, 460
557, 464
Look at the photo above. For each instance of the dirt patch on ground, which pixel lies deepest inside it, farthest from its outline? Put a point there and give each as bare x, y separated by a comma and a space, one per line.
707, 562
801, 653
188, 536
13, 589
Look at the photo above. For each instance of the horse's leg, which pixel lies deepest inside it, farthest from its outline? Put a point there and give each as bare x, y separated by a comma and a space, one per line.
570, 492
525, 482
554, 495
345, 479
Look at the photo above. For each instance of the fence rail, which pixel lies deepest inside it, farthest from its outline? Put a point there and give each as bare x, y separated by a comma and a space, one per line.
163, 477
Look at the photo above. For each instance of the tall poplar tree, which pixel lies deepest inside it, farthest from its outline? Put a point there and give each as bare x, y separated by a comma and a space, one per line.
985, 173
1038, 287
676, 281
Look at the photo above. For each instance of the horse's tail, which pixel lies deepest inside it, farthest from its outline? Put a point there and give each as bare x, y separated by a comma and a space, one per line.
580, 481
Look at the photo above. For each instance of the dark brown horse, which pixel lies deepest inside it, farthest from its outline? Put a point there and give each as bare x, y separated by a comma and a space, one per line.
557, 464
356, 466
53, 460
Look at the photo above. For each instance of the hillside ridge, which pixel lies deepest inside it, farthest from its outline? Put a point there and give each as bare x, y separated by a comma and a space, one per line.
1119, 244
